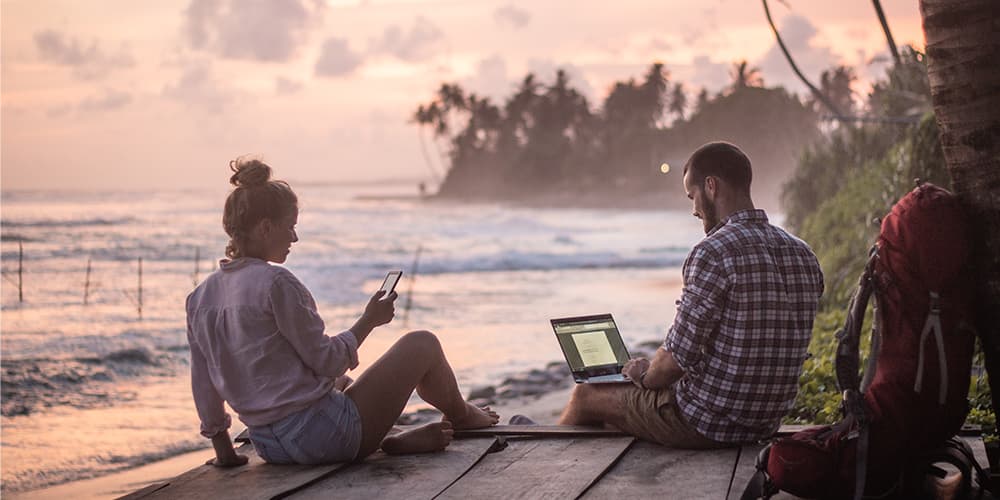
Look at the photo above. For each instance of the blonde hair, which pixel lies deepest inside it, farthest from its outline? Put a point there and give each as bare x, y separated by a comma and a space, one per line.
256, 197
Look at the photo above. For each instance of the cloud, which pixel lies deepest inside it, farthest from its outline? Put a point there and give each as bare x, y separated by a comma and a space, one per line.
337, 58
259, 30
59, 111
511, 16
699, 33
109, 100
284, 86
708, 73
490, 79
659, 45
812, 58
87, 61
416, 45
197, 87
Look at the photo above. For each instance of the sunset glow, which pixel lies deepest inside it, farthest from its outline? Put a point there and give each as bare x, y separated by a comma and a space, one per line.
148, 95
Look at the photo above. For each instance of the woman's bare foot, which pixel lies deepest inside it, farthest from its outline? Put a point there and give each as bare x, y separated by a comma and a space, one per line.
424, 439
474, 418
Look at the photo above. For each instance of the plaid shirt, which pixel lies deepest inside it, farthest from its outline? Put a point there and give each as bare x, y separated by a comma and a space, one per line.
743, 325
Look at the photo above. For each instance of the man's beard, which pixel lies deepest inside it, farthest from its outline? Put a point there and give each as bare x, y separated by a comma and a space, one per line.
709, 215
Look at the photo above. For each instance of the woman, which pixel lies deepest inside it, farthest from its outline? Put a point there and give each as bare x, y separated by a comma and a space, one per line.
258, 343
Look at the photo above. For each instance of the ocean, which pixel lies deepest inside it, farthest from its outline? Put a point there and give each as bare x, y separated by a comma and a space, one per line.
92, 384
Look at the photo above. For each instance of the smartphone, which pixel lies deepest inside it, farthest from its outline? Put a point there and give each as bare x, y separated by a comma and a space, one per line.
390, 282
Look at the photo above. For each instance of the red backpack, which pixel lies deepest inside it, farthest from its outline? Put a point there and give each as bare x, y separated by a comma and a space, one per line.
914, 394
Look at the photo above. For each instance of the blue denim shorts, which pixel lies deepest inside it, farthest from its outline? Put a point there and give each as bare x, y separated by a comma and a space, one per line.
326, 432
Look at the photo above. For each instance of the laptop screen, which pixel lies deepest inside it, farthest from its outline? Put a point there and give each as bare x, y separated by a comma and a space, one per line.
591, 344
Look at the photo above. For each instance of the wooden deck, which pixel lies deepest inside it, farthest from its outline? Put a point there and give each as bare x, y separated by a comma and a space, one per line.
499, 462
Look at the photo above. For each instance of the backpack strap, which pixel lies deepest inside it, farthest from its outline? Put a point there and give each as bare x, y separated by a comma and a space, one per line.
848, 362
848, 359
760, 486
933, 325
956, 452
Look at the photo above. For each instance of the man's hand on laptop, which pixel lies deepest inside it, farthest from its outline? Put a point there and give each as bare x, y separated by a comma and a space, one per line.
635, 369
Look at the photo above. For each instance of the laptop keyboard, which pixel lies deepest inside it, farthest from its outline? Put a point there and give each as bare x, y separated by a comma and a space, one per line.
607, 378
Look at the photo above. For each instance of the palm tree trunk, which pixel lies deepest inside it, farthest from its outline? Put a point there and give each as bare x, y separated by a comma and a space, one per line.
963, 50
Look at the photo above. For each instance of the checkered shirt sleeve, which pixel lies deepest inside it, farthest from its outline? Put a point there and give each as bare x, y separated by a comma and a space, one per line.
699, 308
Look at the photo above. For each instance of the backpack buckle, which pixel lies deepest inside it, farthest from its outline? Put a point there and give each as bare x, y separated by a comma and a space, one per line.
935, 305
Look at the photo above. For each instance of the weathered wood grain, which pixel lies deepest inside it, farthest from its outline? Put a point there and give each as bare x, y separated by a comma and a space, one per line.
652, 471
540, 430
256, 480
533, 468
979, 450
745, 467
386, 477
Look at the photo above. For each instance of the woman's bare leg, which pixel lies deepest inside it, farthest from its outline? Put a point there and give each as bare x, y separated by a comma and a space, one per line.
434, 436
416, 361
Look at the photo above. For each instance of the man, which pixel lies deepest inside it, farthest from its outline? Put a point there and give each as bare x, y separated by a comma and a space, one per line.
728, 369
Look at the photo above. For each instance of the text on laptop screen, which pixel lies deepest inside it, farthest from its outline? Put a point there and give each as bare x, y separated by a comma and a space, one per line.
591, 344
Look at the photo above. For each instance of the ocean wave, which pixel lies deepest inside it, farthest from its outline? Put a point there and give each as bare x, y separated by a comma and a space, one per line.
79, 382
94, 466
16, 237
57, 223
536, 261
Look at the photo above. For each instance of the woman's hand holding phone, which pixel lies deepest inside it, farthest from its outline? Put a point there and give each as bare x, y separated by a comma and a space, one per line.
381, 308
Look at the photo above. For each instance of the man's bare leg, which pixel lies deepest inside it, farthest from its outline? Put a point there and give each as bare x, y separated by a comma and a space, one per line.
415, 361
593, 404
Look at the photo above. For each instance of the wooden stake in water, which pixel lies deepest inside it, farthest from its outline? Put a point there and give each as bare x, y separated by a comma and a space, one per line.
409, 292
140, 287
197, 264
20, 271
86, 284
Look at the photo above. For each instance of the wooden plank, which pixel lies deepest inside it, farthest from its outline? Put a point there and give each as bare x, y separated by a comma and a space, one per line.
577, 430
978, 450
540, 430
745, 468
384, 476
256, 480
649, 470
533, 467
144, 492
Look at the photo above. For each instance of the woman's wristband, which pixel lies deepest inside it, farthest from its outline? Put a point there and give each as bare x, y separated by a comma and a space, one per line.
642, 380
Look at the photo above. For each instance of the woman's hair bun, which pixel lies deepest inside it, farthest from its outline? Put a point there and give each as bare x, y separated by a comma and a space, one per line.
249, 172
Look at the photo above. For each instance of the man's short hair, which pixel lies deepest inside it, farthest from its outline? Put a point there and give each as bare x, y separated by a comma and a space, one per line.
723, 160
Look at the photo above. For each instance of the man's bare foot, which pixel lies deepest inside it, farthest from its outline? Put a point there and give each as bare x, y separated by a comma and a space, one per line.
424, 439
474, 418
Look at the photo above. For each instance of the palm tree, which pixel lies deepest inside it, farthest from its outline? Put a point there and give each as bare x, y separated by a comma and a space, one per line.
702, 100
654, 92
744, 76
835, 84
678, 100
963, 36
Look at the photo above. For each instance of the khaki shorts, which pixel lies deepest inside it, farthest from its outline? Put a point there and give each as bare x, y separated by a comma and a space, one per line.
654, 416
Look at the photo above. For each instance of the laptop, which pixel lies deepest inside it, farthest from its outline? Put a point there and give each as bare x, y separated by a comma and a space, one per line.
593, 348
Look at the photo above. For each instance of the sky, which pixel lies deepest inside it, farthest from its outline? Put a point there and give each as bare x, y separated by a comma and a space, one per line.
125, 94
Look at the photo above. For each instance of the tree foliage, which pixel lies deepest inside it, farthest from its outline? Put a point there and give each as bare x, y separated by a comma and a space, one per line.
547, 137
